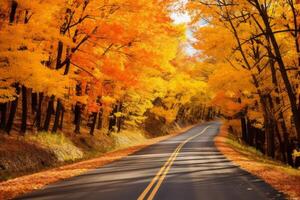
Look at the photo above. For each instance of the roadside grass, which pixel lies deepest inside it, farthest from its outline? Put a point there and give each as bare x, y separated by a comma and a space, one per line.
59, 144
21, 185
254, 154
281, 176
128, 138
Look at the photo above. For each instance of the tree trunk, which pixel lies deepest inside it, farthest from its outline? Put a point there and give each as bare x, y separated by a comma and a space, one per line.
94, 120
203, 113
62, 118
60, 47
14, 5
282, 68
57, 116
99, 125
77, 120
24, 110
119, 119
49, 113
13, 110
34, 102
112, 119
3, 110
287, 145
268, 125
38, 117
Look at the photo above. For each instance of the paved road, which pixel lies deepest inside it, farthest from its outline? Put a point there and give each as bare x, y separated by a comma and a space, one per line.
184, 167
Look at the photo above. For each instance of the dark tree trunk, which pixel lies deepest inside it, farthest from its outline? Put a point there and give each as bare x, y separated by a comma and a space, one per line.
208, 114
77, 120
24, 110
93, 124
3, 110
57, 116
39, 111
244, 124
119, 119
99, 125
282, 68
203, 112
280, 141
119, 124
67, 69
60, 47
112, 119
62, 118
13, 110
287, 145
269, 127
244, 129
49, 113
34, 102
112, 122
14, 6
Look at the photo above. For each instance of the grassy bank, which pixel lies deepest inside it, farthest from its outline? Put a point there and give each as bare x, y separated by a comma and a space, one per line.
18, 186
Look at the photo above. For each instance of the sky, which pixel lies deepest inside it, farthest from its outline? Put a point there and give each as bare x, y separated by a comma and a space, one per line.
184, 18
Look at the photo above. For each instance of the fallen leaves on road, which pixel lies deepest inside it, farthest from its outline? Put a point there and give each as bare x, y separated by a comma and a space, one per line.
18, 186
281, 177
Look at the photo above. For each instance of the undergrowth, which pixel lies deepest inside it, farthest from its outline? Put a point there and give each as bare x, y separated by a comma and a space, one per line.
254, 154
60, 145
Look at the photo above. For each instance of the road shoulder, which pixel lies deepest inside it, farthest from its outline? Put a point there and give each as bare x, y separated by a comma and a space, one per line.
25, 184
279, 176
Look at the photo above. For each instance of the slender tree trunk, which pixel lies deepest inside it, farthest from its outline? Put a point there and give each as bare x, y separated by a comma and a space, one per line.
38, 117
243, 118
60, 47
112, 119
24, 110
94, 120
3, 110
77, 120
13, 110
62, 118
49, 113
100, 115
68, 62
57, 116
203, 113
287, 145
119, 119
34, 102
13, 10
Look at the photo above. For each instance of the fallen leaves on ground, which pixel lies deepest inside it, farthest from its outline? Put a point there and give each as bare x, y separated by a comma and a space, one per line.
18, 186
281, 177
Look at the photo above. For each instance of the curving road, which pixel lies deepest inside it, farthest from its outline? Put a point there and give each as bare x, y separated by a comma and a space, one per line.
184, 167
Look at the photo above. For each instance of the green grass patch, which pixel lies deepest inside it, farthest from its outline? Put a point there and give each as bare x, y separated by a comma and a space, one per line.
60, 145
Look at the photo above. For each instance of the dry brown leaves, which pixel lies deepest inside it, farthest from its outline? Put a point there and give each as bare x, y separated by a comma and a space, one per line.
280, 177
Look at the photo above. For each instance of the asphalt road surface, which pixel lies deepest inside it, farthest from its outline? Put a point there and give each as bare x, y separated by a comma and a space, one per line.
185, 167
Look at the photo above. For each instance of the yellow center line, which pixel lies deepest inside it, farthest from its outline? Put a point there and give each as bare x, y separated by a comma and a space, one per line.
142, 196
160, 176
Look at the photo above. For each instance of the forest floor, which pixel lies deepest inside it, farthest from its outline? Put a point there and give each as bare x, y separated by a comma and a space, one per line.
24, 184
282, 177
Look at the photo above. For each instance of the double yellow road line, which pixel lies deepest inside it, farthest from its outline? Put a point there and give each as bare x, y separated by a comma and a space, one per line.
161, 174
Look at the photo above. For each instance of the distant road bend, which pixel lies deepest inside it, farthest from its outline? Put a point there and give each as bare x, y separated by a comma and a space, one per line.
184, 167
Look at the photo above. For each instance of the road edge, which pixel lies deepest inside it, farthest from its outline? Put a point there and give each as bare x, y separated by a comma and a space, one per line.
25, 184
271, 172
